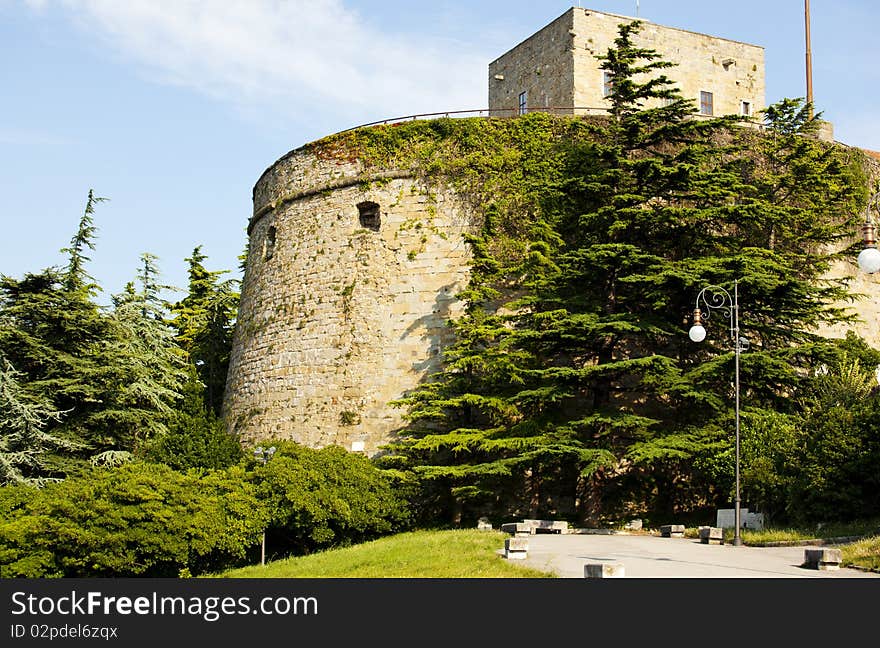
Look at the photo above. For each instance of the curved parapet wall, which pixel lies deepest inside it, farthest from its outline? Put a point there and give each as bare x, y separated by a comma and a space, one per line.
350, 282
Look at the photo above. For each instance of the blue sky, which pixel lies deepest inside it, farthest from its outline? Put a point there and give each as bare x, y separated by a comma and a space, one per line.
173, 108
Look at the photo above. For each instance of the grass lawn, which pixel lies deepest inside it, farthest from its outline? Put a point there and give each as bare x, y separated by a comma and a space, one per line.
864, 553
418, 554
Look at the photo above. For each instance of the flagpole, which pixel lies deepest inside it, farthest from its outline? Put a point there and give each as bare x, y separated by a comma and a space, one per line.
809, 58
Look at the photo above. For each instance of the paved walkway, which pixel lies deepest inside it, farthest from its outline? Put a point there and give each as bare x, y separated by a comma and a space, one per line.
655, 557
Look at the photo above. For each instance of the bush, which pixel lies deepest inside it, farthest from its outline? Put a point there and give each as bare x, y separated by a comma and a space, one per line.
323, 498
144, 519
139, 519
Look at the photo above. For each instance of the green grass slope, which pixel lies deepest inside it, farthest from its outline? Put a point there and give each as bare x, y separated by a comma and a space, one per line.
417, 554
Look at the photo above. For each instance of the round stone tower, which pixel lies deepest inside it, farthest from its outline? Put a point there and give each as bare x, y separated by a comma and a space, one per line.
351, 279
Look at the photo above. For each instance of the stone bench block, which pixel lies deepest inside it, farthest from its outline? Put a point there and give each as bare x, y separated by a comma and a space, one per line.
547, 526
516, 548
604, 570
517, 528
711, 535
824, 558
672, 530
483, 524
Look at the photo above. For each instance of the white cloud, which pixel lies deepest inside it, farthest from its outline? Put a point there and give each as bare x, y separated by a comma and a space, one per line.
297, 56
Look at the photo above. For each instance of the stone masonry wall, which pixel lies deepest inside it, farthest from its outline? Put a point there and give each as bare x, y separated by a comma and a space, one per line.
559, 62
732, 71
337, 319
542, 66
867, 287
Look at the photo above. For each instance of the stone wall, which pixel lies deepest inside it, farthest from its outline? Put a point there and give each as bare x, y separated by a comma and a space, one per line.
542, 66
559, 63
865, 288
866, 308
339, 317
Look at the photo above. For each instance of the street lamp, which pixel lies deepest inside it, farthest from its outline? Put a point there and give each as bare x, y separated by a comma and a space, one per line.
869, 258
717, 298
263, 455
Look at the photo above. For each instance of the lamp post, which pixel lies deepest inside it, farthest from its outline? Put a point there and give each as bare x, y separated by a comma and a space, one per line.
263, 455
869, 258
717, 298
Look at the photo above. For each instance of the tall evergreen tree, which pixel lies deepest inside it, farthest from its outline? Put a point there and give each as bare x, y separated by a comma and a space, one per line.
75, 275
24, 442
585, 391
196, 437
143, 369
204, 321
51, 330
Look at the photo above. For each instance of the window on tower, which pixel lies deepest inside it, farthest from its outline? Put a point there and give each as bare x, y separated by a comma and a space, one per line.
368, 213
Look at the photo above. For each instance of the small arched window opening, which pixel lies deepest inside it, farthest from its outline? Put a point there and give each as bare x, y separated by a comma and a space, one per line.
269, 247
369, 215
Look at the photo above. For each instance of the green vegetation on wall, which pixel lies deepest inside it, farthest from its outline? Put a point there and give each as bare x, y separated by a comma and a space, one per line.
572, 389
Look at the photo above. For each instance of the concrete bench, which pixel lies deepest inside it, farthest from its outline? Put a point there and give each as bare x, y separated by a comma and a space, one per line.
824, 558
516, 548
711, 535
604, 570
517, 528
547, 526
672, 530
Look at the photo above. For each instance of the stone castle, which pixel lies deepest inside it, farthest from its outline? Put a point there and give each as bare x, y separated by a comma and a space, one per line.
346, 297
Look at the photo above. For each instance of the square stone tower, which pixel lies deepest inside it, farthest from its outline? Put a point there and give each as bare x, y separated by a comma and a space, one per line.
557, 68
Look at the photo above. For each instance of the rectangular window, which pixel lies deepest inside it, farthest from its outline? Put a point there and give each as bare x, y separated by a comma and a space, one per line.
746, 109
706, 107
607, 83
523, 103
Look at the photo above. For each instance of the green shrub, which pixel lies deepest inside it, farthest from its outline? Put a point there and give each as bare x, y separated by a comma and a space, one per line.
138, 519
323, 498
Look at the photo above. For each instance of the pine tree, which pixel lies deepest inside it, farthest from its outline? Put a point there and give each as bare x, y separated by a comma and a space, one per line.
196, 437
204, 321
75, 276
51, 331
585, 389
24, 443
143, 369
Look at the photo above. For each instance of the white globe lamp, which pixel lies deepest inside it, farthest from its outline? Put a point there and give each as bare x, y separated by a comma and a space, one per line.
869, 260
697, 333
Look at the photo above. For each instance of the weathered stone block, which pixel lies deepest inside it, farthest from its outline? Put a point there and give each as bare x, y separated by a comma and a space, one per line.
672, 530
604, 570
547, 526
517, 528
711, 535
725, 519
483, 524
823, 558
516, 548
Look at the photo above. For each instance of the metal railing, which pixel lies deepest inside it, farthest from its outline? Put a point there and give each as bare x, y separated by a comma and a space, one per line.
516, 112
482, 112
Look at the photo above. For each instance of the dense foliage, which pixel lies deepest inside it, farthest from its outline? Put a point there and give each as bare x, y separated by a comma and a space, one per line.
327, 497
572, 389
83, 383
146, 519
